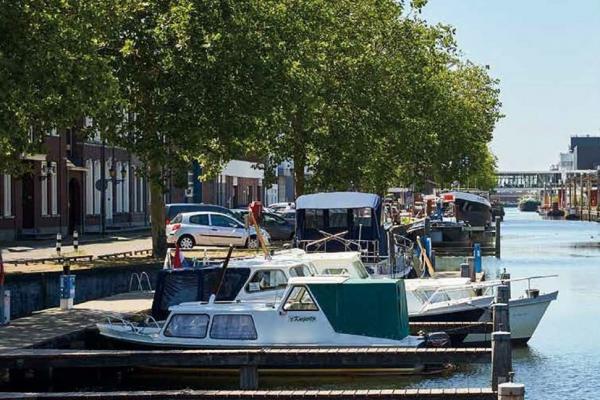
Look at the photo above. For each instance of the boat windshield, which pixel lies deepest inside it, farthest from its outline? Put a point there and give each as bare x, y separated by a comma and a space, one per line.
433, 295
300, 300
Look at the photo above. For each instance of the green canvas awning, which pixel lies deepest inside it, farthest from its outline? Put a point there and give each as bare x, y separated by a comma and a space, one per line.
367, 307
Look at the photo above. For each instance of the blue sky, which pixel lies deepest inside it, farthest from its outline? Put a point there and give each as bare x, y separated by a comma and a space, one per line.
546, 54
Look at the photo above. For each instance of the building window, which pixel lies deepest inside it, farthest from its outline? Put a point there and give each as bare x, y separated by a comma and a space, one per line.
97, 193
89, 187
119, 195
54, 188
44, 189
126, 188
7, 203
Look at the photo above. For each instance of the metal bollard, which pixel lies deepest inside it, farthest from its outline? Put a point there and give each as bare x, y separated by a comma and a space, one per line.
76, 241
58, 243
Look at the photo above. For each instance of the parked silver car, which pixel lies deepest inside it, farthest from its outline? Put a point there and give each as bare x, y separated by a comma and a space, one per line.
207, 228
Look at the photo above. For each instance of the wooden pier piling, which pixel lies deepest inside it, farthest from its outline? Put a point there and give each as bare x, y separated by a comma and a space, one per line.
497, 237
511, 391
501, 358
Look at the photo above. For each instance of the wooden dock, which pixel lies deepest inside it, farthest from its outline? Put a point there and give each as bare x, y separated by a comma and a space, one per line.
389, 394
44, 328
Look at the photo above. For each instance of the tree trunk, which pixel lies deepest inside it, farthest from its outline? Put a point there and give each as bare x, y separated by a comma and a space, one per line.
299, 155
157, 212
299, 163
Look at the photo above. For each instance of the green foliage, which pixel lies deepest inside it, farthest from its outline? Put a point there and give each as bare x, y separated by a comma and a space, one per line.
52, 72
362, 94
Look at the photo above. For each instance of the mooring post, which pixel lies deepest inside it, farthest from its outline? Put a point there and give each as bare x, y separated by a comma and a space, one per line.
506, 289
58, 243
249, 377
498, 229
501, 358
500, 317
472, 274
464, 270
75, 241
511, 391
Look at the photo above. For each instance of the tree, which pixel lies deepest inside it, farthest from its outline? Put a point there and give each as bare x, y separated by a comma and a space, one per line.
189, 75
51, 72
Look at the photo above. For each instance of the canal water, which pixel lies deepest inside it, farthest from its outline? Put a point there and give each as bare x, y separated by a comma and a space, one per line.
561, 361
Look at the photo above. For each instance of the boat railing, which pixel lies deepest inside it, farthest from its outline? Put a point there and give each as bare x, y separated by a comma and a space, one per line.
442, 293
369, 249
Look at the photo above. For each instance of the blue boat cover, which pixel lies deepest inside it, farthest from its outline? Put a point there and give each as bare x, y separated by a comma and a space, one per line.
323, 201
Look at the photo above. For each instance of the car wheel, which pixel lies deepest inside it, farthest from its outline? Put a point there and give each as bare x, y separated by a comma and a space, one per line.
186, 242
252, 242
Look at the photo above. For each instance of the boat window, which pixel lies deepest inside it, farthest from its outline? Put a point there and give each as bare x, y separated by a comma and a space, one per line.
338, 218
362, 216
300, 300
314, 219
187, 326
335, 271
201, 219
268, 279
300, 270
360, 269
233, 327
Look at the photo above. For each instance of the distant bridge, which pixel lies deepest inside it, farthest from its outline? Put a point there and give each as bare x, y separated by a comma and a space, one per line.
534, 181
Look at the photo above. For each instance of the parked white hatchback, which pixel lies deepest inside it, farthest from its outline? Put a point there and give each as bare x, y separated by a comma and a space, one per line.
207, 228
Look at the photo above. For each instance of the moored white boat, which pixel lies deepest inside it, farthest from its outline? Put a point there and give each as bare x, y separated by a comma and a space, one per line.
314, 311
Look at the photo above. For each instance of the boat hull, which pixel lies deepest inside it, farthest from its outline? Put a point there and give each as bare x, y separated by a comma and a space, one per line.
469, 314
525, 316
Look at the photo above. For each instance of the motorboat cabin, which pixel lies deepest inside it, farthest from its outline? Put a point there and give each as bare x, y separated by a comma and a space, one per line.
249, 279
342, 221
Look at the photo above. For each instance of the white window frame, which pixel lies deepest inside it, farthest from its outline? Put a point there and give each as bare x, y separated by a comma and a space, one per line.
119, 196
44, 189
7, 200
126, 188
54, 188
97, 193
89, 187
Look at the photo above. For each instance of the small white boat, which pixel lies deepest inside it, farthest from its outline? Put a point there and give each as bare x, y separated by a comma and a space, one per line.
453, 299
314, 311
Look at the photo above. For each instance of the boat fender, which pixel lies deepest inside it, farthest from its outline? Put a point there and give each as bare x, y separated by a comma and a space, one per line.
212, 298
437, 339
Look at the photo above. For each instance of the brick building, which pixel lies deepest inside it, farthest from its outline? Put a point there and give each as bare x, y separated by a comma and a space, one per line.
62, 190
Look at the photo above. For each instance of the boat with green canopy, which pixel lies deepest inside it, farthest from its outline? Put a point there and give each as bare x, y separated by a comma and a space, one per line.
326, 311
